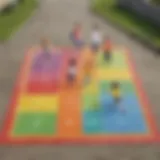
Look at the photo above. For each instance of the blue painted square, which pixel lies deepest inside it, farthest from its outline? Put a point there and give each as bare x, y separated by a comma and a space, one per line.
92, 122
115, 121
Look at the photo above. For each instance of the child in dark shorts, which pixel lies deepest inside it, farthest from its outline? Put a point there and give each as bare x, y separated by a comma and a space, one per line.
117, 95
96, 38
115, 91
76, 35
107, 49
72, 71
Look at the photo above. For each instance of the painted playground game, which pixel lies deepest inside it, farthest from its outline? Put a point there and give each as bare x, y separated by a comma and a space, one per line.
45, 109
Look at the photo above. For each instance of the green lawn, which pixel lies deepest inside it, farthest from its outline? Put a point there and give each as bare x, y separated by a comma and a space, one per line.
129, 21
10, 22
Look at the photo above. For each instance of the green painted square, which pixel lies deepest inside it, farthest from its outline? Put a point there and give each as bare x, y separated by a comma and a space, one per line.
27, 124
117, 61
127, 87
90, 102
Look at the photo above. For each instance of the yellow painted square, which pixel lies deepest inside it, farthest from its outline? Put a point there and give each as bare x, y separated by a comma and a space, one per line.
113, 74
38, 103
91, 88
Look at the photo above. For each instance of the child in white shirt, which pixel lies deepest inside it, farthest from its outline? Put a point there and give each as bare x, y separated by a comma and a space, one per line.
96, 38
72, 71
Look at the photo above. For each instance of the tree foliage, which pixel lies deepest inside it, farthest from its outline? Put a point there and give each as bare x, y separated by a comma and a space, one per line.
156, 2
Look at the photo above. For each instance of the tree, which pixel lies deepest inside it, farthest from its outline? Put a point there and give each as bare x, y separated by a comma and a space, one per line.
156, 2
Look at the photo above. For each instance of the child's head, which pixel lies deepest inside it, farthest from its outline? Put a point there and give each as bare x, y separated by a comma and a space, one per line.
115, 85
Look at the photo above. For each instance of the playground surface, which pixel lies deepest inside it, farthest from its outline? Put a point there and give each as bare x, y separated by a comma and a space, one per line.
54, 18
44, 110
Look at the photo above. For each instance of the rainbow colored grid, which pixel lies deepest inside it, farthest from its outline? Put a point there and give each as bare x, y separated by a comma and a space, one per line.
45, 109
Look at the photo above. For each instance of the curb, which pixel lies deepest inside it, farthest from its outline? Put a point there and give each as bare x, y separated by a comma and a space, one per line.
131, 34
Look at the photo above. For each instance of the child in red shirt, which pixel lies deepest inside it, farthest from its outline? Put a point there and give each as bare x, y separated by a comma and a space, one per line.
76, 35
107, 49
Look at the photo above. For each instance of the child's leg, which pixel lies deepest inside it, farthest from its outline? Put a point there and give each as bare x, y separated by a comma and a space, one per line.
71, 37
70, 78
95, 47
79, 43
107, 56
118, 102
74, 40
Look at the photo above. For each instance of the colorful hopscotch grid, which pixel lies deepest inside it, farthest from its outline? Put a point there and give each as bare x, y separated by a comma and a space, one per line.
38, 111
35, 105
101, 116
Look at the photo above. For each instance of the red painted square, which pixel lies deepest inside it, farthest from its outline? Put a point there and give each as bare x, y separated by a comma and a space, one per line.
42, 87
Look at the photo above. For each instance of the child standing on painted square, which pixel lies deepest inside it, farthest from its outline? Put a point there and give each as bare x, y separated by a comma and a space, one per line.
76, 35
96, 38
88, 67
46, 47
72, 71
107, 49
116, 94
115, 91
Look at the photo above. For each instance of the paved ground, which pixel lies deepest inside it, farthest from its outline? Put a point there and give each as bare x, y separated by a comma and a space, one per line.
54, 18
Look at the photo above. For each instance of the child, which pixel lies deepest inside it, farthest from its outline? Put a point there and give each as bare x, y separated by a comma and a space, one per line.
116, 94
87, 71
72, 71
46, 48
96, 38
76, 35
115, 91
107, 49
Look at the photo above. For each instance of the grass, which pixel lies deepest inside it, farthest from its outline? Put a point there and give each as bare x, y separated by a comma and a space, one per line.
10, 22
127, 20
